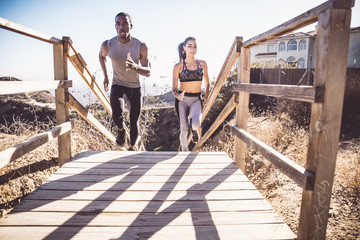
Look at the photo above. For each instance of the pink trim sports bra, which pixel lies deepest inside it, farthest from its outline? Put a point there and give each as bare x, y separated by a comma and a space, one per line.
187, 75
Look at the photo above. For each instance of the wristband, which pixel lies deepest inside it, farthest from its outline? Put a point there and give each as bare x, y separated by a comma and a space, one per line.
176, 92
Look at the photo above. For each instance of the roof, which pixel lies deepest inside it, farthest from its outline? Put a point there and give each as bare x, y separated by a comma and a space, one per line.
296, 35
267, 54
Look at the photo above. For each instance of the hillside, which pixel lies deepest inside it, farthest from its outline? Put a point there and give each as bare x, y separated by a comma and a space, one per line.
23, 116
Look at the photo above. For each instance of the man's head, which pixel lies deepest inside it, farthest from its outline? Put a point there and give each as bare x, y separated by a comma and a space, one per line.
123, 25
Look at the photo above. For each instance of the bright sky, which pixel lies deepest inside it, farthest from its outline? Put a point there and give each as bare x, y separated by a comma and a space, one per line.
162, 25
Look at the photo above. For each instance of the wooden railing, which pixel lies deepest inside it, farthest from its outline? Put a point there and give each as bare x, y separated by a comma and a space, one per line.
62, 50
326, 96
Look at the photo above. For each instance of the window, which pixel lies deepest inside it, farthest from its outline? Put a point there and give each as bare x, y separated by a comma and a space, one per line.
282, 47
271, 48
302, 45
301, 63
292, 45
291, 61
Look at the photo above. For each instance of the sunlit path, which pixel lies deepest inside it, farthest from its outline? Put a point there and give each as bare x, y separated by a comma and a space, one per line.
141, 195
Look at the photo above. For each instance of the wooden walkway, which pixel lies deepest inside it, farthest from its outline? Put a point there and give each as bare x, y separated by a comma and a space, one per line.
145, 195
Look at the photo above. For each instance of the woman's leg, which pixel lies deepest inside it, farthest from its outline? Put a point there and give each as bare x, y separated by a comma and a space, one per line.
195, 115
184, 125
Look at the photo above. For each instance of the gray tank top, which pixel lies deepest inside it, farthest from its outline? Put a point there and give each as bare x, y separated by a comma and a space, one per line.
118, 52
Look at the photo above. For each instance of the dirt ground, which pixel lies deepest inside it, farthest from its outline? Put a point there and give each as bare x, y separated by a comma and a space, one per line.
21, 177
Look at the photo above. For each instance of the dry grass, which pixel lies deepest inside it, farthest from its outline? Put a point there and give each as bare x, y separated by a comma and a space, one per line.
284, 134
24, 175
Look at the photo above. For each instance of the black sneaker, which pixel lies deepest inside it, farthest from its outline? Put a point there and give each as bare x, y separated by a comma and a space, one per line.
131, 148
120, 140
195, 137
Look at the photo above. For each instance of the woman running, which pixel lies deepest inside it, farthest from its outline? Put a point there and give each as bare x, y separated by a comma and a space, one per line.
190, 72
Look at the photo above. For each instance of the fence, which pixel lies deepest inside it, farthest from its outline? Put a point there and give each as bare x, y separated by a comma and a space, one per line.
326, 95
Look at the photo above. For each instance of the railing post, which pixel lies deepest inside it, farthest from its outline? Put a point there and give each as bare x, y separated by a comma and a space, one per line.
61, 95
242, 110
331, 60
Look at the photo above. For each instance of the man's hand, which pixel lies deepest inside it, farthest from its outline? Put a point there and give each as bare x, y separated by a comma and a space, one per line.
106, 84
130, 64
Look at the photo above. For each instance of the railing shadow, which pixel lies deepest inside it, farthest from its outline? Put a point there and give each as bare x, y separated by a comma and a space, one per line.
200, 212
95, 207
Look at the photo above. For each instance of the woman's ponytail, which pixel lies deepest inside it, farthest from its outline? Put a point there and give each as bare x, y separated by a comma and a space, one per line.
182, 54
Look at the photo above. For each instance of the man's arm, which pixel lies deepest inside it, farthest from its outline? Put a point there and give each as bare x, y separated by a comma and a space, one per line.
102, 59
143, 68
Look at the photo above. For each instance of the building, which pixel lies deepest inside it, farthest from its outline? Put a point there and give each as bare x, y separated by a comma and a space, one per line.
298, 49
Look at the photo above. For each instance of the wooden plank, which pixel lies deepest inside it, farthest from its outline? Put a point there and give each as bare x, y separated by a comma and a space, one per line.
148, 179
154, 155
242, 109
300, 93
14, 27
144, 220
298, 174
83, 112
135, 186
142, 206
298, 22
21, 149
150, 172
131, 157
219, 120
170, 167
138, 159
224, 73
140, 165
242, 194
246, 231
11, 87
325, 123
62, 111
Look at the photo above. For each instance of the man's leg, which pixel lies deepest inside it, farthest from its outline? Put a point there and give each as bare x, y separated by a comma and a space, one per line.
135, 100
117, 112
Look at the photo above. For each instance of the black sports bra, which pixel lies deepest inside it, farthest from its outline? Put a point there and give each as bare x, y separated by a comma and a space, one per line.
187, 75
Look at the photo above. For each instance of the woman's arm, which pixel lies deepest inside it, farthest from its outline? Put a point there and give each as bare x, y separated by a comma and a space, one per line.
206, 80
176, 72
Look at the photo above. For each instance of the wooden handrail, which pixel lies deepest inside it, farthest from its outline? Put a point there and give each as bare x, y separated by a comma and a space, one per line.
12, 87
298, 174
14, 27
230, 60
300, 93
80, 65
10, 154
298, 22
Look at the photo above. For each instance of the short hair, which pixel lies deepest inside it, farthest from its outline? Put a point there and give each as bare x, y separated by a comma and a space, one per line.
125, 15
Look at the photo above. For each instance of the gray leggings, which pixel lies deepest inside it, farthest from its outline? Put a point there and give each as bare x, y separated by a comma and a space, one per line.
188, 107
